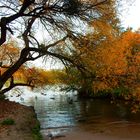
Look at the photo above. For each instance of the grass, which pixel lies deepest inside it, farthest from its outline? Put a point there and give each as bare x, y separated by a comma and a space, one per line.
8, 121
36, 132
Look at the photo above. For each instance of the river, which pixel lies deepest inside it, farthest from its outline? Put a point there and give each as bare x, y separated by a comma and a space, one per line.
64, 115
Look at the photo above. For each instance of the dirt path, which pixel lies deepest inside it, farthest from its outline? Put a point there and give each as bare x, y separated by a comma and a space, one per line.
25, 125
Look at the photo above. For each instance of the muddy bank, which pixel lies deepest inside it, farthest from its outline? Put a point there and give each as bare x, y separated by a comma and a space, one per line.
25, 125
83, 135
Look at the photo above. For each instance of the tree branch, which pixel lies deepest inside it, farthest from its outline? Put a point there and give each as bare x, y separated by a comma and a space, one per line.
14, 85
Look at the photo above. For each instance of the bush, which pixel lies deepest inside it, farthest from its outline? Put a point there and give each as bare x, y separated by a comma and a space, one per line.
8, 121
120, 91
36, 132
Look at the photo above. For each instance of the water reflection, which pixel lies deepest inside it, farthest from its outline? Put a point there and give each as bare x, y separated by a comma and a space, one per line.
56, 112
57, 115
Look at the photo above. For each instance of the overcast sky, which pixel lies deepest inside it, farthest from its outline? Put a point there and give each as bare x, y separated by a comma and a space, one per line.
131, 16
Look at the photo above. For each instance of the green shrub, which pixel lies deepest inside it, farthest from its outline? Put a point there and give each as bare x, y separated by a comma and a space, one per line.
36, 132
120, 91
8, 121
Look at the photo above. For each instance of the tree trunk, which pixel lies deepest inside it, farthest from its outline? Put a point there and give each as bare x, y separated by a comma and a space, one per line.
10, 71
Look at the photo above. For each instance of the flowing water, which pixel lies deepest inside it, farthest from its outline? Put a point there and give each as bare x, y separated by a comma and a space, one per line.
61, 113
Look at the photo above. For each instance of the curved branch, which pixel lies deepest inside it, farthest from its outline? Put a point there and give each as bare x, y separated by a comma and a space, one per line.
27, 31
8, 7
5, 20
14, 85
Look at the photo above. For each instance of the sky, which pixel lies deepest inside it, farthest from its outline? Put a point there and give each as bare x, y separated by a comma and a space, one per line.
131, 16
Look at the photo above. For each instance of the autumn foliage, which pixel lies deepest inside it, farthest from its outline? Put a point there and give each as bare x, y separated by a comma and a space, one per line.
26, 75
111, 61
104, 60
111, 65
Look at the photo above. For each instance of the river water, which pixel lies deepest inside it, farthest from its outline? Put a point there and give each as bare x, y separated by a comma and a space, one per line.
62, 113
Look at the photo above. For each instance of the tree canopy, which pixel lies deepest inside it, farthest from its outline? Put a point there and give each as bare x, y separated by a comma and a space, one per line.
25, 18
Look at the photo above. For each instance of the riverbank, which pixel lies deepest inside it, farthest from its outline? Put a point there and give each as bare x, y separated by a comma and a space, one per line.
118, 134
18, 122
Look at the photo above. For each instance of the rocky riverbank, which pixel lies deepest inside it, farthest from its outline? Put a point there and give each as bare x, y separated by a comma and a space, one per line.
18, 122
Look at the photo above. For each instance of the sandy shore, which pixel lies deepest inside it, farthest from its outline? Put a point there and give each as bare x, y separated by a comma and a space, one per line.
24, 118
82, 135
128, 131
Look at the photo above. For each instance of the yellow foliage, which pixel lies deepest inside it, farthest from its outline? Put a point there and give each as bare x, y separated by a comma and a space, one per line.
114, 60
99, 86
9, 53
